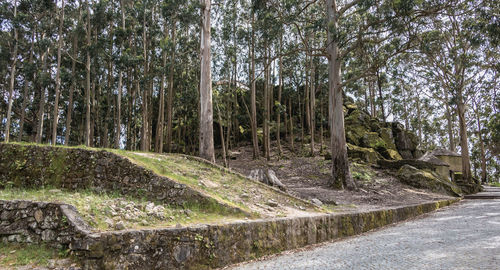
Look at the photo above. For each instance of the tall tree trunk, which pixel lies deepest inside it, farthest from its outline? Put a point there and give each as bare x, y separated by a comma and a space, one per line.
380, 95
43, 90
87, 79
58, 76
253, 103
206, 109
312, 100
292, 139
280, 89
161, 106
266, 105
419, 119
25, 92
221, 130
69, 112
321, 127
341, 175
450, 121
145, 97
466, 172
482, 149
118, 124
373, 109
171, 90
12, 78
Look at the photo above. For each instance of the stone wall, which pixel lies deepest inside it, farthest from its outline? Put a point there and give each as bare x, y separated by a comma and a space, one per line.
213, 246
200, 247
57, 225
32, 166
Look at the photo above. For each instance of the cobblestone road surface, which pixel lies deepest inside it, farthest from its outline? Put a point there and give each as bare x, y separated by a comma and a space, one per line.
463, 236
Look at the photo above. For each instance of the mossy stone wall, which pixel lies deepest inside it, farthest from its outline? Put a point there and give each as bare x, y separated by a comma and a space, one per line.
33, 166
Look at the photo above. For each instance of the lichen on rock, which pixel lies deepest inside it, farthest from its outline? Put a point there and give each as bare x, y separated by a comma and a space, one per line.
427, 179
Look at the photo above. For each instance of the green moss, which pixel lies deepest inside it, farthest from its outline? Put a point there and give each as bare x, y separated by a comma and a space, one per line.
346, 228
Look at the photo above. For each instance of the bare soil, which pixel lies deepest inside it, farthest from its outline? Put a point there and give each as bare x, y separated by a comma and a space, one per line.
308, 178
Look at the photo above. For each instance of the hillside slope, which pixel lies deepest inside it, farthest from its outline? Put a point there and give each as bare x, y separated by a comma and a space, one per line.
171, 179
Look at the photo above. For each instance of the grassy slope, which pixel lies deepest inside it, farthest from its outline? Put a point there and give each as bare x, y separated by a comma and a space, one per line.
229, 188
96, 208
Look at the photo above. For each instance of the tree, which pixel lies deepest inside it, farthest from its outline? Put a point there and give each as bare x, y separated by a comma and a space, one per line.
12, 75
206, 108
58, 75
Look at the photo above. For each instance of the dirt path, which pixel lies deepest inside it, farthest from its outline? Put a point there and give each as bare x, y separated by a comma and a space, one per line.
307, 178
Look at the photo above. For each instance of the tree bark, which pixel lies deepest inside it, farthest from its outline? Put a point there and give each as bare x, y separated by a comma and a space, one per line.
466, 171
380, 96
266, 106
253, 105
450, 121
25, 92
312, 100
280, 89
206, 108
69, 112
171, 90
292, 139
12, 79
373, 109
41, 109
482, 149
87, 79
161, 106
341, 175
58, 76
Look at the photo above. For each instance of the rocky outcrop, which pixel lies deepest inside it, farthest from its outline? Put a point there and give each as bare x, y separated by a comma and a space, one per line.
368, 155
406, 142
389, 140
428, 180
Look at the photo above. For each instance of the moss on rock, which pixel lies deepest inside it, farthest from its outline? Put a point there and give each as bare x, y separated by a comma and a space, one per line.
427, 180
368, 155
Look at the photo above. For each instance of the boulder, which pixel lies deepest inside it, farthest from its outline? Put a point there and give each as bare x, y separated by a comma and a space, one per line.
427, 180
368, 155
397, 164
406, 142
372, 140
267, 177
354, 133
386, 135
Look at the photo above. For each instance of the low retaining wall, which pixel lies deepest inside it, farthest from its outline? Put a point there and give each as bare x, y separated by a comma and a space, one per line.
212, 246
55, 224
32, 166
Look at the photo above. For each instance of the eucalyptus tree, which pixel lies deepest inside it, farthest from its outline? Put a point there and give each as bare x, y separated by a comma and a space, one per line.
206, 108
349, 25
60, 39
15, 41
455, 54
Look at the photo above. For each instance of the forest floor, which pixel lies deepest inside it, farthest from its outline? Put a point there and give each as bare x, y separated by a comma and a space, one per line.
307, 177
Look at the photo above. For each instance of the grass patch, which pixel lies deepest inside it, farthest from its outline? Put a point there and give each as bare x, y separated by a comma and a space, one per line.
494, 184
104, 210
228, 188
362, 172
13, 254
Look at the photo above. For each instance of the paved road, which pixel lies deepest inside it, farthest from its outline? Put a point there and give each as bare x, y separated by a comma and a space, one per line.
463, 236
